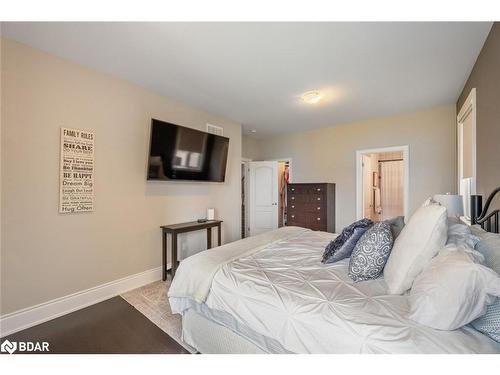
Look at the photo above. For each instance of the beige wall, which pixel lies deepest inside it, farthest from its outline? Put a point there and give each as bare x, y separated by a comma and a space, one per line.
485, 77
250, 148
328, 155
46, 255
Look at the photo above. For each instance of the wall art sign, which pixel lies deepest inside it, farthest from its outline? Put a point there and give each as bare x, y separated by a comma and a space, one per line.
76, 191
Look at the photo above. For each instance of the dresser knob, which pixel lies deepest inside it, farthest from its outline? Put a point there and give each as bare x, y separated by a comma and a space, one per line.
293, 216
318, 219
293, 206
319, 208
318, 189
318, 199
292, 189
292, 198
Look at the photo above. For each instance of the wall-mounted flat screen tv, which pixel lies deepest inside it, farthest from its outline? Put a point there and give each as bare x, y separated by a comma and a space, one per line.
180, 153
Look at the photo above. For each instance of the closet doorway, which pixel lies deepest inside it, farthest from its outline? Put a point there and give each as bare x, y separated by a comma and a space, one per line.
382, 183
264, 186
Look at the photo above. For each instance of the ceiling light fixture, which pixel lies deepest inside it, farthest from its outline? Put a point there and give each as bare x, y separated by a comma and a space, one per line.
253, 131
311, 97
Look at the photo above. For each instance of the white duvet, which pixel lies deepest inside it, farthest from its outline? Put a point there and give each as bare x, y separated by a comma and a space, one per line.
282, 291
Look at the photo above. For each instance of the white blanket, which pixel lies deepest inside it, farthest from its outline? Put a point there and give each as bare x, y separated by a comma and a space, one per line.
193, 278
283, 291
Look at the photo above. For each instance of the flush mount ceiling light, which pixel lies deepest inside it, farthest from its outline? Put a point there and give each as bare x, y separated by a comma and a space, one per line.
311, 97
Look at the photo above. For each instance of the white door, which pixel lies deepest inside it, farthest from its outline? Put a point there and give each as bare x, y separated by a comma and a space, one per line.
262, 197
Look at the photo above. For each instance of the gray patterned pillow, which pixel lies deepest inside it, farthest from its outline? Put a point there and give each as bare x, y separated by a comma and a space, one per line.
397, 224
489, 246
371, 253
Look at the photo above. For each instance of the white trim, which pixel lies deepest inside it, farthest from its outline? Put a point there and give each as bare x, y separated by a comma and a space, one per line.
244, 163
468, 107
31, 316
359, 176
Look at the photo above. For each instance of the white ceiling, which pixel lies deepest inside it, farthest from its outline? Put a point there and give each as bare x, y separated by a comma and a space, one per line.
253, 73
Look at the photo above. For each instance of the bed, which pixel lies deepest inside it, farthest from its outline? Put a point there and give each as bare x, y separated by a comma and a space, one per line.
271, 294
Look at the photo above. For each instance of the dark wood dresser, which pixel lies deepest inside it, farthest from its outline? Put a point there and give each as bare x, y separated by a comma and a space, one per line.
311, 206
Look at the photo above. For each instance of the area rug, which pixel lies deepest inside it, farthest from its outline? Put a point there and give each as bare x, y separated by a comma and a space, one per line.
152, 301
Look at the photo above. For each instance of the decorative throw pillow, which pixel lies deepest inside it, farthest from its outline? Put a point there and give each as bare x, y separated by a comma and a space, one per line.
460, 235
452, 290
371, 252
419, 241
397, 223
489, 247
489, 323
342, 246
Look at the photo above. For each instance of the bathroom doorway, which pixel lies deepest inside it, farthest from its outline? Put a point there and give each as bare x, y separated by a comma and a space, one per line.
382, 184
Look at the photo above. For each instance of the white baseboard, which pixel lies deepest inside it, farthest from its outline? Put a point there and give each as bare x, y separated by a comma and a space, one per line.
31, 316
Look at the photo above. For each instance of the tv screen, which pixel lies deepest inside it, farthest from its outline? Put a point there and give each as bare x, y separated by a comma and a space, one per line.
180, 153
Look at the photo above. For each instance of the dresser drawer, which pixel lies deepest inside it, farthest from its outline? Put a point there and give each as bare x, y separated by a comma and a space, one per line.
309, 207
314, 226
306, 198
306, 189
307, 218
295, 223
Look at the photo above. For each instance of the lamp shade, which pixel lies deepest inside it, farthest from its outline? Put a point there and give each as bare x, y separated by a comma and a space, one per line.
453, 203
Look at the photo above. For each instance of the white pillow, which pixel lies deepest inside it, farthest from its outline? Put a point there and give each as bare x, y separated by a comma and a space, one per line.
452, 291
419, 241
460, 235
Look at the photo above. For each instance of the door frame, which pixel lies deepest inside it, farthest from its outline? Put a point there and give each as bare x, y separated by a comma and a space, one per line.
359, 176
290, 168
244, 163
469, 107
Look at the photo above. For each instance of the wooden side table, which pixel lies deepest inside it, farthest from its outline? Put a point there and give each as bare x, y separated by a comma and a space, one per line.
175, 229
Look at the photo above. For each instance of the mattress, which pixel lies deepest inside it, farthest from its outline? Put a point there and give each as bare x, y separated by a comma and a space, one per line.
202, 327
282, 293
209, 337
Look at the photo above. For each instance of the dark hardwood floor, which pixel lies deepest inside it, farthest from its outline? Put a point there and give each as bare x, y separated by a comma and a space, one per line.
113, 327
